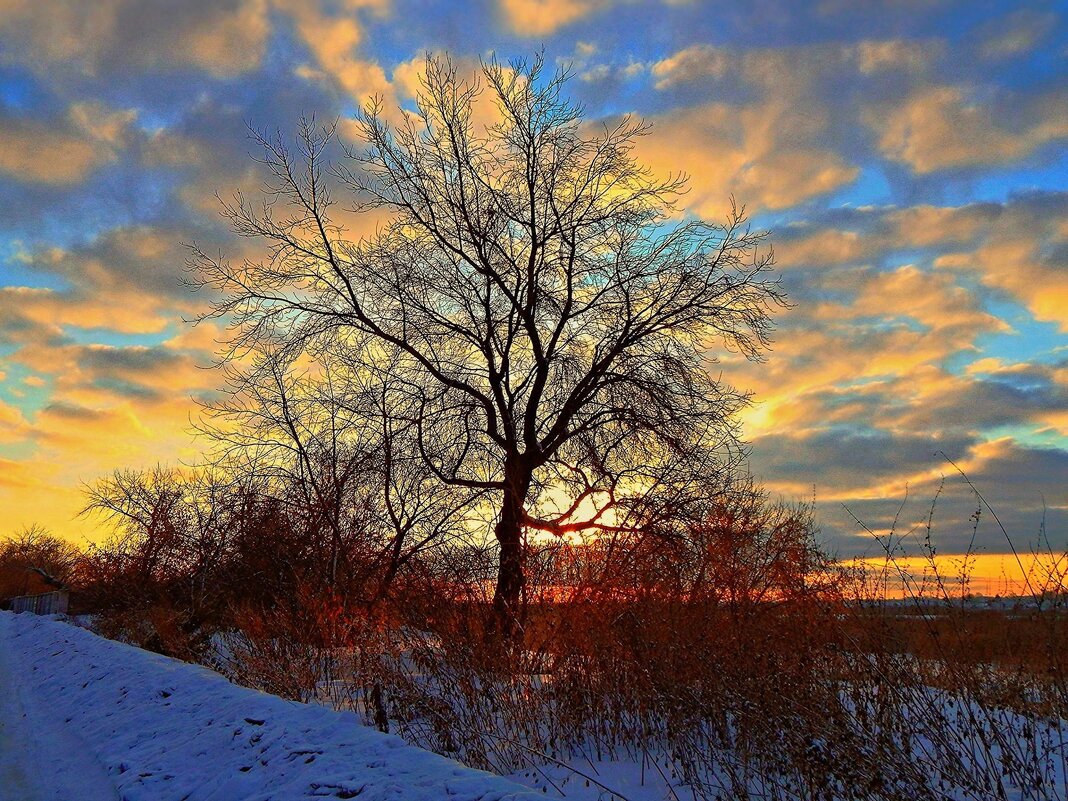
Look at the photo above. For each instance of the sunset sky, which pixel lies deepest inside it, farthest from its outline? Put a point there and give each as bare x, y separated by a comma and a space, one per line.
909, 156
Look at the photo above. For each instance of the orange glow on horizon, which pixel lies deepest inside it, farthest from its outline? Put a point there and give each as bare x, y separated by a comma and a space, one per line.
953, 576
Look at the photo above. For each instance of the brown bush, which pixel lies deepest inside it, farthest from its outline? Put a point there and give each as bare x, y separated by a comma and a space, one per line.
33, 561
726, 653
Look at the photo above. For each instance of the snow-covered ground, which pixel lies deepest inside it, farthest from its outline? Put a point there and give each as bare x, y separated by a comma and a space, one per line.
40, 760
88, 719
85, 719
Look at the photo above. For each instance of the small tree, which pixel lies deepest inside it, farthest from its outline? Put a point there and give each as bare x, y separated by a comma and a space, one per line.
326, 441
540, 309
33, 550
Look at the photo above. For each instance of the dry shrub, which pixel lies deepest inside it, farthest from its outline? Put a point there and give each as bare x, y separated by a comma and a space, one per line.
311, 646
630, 651
727, 655
974, 694
768, 675
33, 561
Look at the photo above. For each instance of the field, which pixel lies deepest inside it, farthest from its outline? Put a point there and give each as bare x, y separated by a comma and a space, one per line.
803, 700
732, 661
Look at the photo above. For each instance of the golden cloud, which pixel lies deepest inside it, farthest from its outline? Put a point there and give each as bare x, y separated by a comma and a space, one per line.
1023, 253
543, 17
1016, 33
740, 150
900, 54
881, 344
221, 38
408, 77
38, 152
334, 42
693, 63
943, 126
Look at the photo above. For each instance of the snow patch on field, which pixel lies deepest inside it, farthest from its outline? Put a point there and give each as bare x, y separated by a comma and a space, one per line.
156, 729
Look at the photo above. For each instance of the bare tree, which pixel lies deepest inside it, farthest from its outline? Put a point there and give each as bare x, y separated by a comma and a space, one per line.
326, 440
33, 549
541, 308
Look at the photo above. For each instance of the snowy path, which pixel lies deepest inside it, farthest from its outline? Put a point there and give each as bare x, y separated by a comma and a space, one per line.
15, 764
14, 782
87, 719
33, 742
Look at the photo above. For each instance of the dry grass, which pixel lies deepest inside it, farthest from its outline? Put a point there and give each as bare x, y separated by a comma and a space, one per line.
823, 695
729, 659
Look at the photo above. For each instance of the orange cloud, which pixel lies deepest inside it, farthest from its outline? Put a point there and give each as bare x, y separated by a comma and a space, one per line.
544, 17
1022, 253
108, 407
792, 66
14, 427
986, 574
1056, 422
934, 301
745, 151
1017, 247
823, 247
222, 39
229, 43
942, 126
73, 445
37, 152
334, 42
19, 476
1016, 266
926, 225
1016, 33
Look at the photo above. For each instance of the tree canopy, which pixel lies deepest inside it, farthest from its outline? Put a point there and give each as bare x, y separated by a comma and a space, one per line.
533, 327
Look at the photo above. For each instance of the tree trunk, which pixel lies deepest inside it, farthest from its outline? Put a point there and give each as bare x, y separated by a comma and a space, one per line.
511, 579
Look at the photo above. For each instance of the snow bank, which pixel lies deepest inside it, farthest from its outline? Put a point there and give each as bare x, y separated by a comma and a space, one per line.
163, 729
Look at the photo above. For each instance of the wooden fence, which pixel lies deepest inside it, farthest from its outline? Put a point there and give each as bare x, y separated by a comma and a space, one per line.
47, 603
